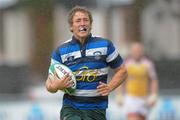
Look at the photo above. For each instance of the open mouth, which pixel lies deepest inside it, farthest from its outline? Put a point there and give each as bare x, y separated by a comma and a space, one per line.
82, 29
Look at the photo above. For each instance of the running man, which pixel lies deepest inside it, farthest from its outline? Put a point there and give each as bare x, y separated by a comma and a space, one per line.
89, 58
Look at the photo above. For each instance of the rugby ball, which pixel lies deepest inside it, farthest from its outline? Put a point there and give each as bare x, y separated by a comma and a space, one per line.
61, 71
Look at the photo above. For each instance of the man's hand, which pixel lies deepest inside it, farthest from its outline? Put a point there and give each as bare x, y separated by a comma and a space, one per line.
53, 83
63, 83
151, 100
103, 89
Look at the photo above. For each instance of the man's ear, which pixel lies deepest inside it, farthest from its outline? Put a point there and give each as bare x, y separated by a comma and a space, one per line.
71, 29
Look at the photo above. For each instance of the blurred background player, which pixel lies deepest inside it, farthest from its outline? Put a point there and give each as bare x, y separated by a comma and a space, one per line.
139, 93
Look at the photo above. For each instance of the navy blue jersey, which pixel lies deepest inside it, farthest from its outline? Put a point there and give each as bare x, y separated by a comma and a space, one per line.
89, 63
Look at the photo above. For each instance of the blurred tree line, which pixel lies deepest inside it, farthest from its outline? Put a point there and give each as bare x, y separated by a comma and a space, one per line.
41, 15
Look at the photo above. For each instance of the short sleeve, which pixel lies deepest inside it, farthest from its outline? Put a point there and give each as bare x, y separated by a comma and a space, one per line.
56, 57
113, 59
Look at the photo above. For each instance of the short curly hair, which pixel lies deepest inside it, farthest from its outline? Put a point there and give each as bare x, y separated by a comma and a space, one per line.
77, 9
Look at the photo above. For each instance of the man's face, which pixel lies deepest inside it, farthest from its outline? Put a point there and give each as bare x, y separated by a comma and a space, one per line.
81, 25
137, 51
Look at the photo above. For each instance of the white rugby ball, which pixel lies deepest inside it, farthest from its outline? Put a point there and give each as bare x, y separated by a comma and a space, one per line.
61, 71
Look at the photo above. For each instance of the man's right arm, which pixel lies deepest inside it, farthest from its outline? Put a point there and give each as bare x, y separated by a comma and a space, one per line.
50, 86
53, 83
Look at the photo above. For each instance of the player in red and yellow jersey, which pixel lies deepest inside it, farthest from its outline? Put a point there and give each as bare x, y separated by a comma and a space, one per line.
139, 93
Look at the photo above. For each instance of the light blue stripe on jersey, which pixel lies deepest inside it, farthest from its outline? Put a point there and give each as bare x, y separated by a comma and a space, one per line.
112, 56
86, 93
53, 61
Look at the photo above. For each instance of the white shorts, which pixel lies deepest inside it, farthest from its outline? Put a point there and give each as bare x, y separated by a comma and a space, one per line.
134, 104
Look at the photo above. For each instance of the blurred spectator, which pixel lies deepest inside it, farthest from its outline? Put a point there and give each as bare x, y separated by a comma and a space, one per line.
139, 93
35, 112
3, 115
167, 110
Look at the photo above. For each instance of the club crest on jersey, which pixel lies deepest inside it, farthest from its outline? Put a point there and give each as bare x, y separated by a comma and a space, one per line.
70, 58
97, 55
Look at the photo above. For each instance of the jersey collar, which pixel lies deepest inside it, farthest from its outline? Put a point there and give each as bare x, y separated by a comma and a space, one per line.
74, 40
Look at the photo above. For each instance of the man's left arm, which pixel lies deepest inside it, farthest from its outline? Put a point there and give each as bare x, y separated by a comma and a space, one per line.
153, 92
118, 78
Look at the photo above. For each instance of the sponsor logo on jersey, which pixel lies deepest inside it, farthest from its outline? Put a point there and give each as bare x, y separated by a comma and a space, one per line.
86, 75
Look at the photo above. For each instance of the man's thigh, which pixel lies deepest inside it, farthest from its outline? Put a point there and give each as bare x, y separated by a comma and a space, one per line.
71, 117
94, 114
69, 113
